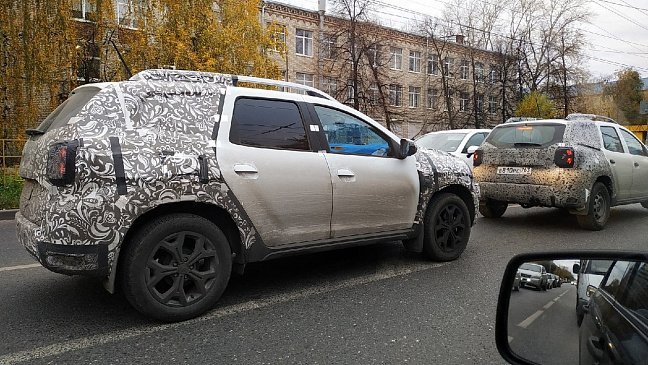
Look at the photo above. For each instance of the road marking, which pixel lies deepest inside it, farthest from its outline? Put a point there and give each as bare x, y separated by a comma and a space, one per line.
557, 298
19, 267
524, 324
385, 272
546, 306
510, 339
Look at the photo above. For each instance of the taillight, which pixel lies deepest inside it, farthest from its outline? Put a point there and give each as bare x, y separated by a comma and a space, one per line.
60, 163
477, 157
564, 157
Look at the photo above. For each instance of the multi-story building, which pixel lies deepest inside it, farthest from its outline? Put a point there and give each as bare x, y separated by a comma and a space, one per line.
409, 82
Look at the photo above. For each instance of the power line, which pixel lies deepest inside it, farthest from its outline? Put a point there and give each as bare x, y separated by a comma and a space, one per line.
643, 10
621, 15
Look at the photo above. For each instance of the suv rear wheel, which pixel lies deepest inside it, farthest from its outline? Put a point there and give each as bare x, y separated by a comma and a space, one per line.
176, 267
447, 227
598, 210
492, 208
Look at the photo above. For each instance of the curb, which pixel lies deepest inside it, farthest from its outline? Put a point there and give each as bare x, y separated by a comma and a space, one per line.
8, 214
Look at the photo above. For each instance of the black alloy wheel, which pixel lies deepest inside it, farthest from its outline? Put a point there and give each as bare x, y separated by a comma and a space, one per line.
447, 227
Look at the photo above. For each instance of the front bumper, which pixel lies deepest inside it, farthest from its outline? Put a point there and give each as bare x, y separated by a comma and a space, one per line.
70, 259
531, 281
531, 194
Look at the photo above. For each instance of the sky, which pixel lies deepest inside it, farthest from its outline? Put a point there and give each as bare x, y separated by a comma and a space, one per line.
617, 36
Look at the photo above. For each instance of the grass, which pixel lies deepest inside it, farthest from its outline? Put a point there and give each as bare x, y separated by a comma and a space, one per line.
10, 187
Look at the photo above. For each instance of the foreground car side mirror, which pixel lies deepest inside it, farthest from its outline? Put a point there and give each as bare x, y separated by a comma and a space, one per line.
536, 318
407, 148
471, 150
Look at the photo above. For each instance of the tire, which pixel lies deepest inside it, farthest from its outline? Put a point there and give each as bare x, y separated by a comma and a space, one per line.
492, 208
598, 211
176, 267
516, 288
447, 227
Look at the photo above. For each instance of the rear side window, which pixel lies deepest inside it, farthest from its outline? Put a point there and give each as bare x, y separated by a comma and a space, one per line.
634, 146
268, 124
611, 141
527, 135
615, 278
70, 108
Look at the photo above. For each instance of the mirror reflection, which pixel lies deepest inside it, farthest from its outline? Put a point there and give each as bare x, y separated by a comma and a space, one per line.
580, 312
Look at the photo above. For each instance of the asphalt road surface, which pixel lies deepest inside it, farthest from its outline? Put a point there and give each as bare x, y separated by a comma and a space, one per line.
542, 325
374, 304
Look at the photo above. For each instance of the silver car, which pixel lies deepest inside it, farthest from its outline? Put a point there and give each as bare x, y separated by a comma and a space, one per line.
534, 275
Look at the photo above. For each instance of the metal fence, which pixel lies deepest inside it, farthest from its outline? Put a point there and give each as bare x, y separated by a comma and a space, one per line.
11, 150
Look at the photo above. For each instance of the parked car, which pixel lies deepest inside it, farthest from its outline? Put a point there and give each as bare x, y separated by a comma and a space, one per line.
559, 281
580, 163
615, 324
166, 183
534, 275
551, 282
590, 273
458, 142
517, 281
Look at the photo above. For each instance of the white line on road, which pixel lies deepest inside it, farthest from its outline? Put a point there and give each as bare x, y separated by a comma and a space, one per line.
524, 324
382, 273
19, 267
546, 306
557, 298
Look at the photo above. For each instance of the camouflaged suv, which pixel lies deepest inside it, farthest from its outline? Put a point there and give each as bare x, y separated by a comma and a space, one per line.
166, 183
583, 163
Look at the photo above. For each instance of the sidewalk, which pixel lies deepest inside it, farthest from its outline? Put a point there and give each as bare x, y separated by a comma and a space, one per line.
8, 214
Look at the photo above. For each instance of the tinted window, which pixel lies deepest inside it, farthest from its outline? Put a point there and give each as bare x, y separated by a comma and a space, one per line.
599, 267
531, 267
528, 135
634, 146
269, 124
614, 279
448, 142
475, 140
347, 134
70, 108
611, 141
636, 298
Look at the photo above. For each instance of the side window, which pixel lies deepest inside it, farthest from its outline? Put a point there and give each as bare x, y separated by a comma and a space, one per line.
349, 135
614, 279
268, 124
611, 141
636, 298
475, 140
634, 146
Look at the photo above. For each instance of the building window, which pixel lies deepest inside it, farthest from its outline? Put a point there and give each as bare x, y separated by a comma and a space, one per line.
414, 96
463, 70
395, 95
493, 74
479, 72
304, 79
464, 106
84, 9
492, 104
433, 64
415, 61
432, 98
448, 65
279, 39
374, 94
480, 103
126, 13
373, 55
89, 65
350, 92
329, 45
396, 59
329, 85
304, 42
449, 102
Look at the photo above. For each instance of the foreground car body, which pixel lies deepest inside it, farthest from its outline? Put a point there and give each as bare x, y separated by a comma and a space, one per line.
168, 181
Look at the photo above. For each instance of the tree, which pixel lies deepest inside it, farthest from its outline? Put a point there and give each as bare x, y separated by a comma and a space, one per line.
627, 94
535, 105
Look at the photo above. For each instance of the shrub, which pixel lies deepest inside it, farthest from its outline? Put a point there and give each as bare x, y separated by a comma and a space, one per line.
10, 188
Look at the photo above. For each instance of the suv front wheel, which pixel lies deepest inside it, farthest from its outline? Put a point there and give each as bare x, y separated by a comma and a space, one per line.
598, 210
447, 227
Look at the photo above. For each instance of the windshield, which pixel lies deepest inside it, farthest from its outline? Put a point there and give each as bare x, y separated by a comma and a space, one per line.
532, 267
598, 267
448, 142
71, 107
527, 135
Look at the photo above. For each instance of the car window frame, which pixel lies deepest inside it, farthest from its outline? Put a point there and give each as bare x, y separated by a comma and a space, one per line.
633, 137
621, 143
466, 146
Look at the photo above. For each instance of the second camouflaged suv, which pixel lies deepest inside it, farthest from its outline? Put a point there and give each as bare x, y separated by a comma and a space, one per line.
165, 183
584, 163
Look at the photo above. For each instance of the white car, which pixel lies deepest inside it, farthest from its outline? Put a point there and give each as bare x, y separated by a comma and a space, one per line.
457, 142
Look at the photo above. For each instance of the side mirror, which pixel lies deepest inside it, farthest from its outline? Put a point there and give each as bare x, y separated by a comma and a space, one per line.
407, 148
471, 150
538, 323
576, 268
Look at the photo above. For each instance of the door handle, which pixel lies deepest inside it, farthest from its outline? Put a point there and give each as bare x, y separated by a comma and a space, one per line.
612, 162
345, 173
244, 168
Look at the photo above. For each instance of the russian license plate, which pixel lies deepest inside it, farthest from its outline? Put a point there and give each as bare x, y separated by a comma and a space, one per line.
505, 170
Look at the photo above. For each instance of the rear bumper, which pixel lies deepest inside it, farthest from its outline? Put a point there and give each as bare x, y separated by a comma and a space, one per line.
531, 194
70, 259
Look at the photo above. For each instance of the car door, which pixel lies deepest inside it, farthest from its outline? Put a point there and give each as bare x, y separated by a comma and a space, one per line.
621, 162
265, 156
639, 157
373, 191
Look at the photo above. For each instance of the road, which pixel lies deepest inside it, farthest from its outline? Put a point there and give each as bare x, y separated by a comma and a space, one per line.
368, 305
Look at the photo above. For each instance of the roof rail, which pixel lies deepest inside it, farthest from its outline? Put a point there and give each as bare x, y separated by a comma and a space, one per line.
261, 81
599, 118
